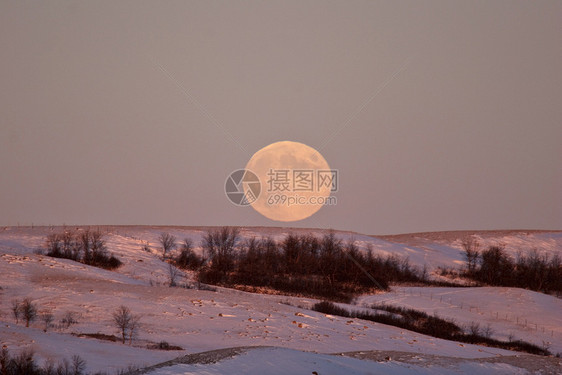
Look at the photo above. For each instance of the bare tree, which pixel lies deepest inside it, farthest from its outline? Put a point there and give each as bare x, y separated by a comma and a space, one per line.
187, 258
168, 242
173, 273
4, 360
70, 248
127, 323
186, 245
54, 245
28, 311
134, 327
49, 367
64, 368
98, 246
488, 331
219, 246
471, 246
68, 319
16, 310
85, 243
474, 329
330, 253
47, 318
78, 365
122, 318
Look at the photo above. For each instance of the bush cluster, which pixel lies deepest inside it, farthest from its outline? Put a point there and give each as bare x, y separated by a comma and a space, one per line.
25, 363
86, 246
535, 271
28, 312
419, 321
305, 264
164, 345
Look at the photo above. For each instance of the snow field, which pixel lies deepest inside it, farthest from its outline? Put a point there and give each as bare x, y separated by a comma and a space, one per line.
200, 320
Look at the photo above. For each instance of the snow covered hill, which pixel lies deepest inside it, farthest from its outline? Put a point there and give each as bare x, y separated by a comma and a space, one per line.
299, 340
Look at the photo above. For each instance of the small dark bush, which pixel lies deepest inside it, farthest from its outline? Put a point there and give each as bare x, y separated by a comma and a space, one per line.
100, 336
187, 258
28, 311
164, 345
168, 243
68, 320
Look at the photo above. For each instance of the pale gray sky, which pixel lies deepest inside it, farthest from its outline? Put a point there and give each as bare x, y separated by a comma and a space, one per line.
439, 115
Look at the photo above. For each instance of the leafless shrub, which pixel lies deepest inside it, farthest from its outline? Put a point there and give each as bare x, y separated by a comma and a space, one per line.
471, 253
16, 310
78, 365
474, 329
487, 331
68, 320
173, 273
28, 311
187, 258
47, 318
168, 243
126, 323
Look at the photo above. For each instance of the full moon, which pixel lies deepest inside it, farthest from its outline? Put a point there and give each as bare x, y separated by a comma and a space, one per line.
295, 181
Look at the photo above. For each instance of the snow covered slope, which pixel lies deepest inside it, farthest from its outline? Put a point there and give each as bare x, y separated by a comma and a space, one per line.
445, 248
510, 312
273, 361
199, 320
